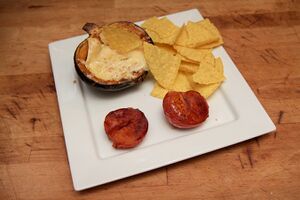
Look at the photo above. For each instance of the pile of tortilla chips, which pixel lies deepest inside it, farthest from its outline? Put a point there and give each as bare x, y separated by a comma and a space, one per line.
182, 58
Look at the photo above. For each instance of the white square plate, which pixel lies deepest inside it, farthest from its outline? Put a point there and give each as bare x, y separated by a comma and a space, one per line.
235, 115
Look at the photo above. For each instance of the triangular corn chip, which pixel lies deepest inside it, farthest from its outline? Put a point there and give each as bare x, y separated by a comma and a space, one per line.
161, 30
162, 64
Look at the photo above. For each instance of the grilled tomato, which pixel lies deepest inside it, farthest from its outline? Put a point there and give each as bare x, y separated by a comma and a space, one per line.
126, 127
185, 109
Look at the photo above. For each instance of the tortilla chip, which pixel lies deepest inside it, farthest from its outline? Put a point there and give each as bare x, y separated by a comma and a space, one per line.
209, 58
206, 23
207, 74
181, 83
206, 90
183, 37
212, 45
194, 34
188, 67
192, 54
163, 65
161, 30
167, 48
158, 91
219, 66
186, 59
120, 39
213, 29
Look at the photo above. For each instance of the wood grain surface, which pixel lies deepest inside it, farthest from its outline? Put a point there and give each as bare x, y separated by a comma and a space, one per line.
261, 36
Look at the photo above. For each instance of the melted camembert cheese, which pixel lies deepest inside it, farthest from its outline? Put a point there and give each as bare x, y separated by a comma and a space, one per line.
107, 64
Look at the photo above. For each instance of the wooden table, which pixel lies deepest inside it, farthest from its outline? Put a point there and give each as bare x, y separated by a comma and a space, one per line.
261, 36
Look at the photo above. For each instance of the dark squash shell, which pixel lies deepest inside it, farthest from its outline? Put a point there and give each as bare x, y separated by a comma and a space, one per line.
81, 53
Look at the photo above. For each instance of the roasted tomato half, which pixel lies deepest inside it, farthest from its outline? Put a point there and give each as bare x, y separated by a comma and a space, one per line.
126, 127
185, 109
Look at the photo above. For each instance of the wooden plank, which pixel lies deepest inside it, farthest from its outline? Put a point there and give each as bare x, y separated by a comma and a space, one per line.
261, 36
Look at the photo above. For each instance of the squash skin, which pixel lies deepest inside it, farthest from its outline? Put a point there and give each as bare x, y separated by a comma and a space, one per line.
81, 55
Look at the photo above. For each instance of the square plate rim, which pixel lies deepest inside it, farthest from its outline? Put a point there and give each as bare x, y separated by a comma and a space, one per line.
148, 157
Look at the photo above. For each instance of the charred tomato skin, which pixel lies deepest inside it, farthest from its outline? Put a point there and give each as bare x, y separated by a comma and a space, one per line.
126, 127
185, 109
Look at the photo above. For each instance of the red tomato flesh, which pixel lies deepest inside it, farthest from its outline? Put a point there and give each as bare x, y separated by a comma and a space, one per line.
126, 127
185, 109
